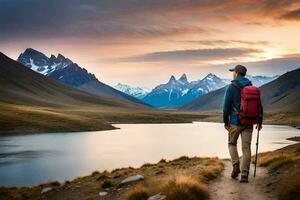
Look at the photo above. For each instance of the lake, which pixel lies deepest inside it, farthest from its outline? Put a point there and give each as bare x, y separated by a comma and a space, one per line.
32, 159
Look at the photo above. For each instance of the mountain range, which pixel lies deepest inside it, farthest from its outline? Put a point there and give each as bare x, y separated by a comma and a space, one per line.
32, 102
173, 94
137, 92
66, 71
176, 93
281, 94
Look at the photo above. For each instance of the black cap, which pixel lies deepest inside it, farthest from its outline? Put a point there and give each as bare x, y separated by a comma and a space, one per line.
240, 69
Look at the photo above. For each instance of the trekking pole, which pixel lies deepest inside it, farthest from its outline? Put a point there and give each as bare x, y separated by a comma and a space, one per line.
256, 151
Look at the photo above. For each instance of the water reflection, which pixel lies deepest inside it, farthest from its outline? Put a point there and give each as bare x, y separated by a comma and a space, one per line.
32, 159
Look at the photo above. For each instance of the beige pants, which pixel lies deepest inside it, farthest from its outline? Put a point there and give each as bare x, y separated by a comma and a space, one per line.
246, 135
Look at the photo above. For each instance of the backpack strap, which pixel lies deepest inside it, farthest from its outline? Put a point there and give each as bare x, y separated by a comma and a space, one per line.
236, 85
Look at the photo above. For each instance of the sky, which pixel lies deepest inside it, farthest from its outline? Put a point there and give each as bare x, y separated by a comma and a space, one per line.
144, 42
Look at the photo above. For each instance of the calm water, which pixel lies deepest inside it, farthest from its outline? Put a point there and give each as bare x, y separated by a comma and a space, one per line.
33, 159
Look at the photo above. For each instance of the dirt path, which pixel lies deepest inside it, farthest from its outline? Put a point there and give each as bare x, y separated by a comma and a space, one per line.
226, 188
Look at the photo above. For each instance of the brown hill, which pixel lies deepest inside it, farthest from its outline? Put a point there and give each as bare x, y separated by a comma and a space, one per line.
31, 102
20, 85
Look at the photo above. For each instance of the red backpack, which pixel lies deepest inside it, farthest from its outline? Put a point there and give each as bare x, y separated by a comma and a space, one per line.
250, 110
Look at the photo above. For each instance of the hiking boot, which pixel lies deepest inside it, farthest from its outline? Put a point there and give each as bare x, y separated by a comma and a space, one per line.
244, 179
235, 171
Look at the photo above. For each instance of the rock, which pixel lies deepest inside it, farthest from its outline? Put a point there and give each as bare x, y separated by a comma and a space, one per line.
132, 179
158, 196
47, 189
103, 193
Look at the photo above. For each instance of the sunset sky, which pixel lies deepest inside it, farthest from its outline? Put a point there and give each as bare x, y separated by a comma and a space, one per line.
144, 42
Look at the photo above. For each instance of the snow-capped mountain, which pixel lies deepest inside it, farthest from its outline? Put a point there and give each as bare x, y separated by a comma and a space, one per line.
58, 68
168, 95
261, 80
178, 92
68, 72
137, 92
209, 83
39, 62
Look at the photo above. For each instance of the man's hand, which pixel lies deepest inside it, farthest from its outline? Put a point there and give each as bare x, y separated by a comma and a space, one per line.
226, 126
258, 126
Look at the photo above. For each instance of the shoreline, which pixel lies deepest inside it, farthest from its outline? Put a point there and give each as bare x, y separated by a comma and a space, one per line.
172, 118
111, 184
295, 139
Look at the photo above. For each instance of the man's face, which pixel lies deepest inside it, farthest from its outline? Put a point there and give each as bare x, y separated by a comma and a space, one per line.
234, 74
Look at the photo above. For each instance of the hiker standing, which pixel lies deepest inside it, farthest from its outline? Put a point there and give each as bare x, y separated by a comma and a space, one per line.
241, 109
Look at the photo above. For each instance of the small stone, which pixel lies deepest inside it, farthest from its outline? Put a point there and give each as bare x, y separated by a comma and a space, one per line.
47, 189
158, 196
132, 179
103, 193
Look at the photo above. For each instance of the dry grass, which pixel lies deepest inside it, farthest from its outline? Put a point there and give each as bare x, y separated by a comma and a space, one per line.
213, 171
182, 178
137, 193
286, 162
174, 187
276, 161
183, 186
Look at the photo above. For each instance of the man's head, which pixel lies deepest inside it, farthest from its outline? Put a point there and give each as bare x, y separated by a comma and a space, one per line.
239, 70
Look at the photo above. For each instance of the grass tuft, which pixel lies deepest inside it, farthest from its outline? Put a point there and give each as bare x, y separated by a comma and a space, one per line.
137, 193
185, 187
211, 172
276, 161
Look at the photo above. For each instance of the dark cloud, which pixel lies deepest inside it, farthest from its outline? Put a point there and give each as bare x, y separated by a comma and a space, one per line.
35, 19
291, 15
193, 54
24, 19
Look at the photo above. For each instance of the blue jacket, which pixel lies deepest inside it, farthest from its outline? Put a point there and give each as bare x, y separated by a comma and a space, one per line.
233, 97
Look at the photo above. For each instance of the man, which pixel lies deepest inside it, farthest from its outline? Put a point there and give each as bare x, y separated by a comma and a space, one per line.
231, 104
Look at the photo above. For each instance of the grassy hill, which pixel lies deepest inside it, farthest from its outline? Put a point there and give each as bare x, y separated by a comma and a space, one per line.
30, 102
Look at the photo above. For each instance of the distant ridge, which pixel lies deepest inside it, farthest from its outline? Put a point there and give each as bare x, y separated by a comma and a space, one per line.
31, 103
137, 92
175, 93
64, 70
24, 86
281, 94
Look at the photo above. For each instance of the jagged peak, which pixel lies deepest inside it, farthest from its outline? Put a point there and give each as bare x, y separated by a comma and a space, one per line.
32, 51
172, 79
60, 56
183, 78
210, 75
